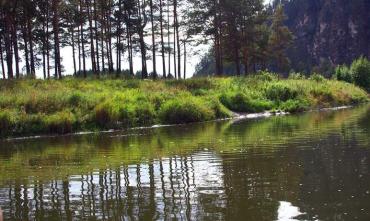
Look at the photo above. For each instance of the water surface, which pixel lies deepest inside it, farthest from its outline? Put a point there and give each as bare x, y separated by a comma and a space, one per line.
313, 166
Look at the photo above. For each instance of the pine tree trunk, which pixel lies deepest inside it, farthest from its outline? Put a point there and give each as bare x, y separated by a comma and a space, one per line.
162, 38
92, 47
83, 42
30, 39
177, 40
168, 37
26, 53
16, 52
96, 37
58, 71
2, 58
184, 59
174, 38
153, 41
73, 51
47, 40
8, 45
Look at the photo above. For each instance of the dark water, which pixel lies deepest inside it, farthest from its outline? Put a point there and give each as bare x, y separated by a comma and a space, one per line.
314, 166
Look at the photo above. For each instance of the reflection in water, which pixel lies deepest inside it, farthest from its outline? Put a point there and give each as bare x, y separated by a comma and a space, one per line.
288, 212
308, 167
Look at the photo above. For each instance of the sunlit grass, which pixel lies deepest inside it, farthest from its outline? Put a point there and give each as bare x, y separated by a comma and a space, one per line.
35, 106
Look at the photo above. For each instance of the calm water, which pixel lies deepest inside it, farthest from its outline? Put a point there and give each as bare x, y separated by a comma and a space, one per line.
314, 166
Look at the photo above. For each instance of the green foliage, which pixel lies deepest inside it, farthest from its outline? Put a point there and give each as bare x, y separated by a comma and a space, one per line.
6, 123
60, 123
296, 76
360, 69
185, 110
294, 106
241, 102
266, 76
343, 73
281, 92
29, 107
317, 77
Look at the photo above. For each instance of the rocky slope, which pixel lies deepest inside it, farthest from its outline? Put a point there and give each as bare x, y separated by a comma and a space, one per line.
327, 32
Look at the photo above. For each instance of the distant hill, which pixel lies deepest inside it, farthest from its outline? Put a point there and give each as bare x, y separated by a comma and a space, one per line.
327, 32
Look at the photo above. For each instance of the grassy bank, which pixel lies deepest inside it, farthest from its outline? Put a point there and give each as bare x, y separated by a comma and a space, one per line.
30, 107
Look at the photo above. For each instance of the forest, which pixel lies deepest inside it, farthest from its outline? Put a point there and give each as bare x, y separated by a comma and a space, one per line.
105, 36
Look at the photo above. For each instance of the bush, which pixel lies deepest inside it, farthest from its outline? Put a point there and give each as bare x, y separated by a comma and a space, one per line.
280, 92
60, 123
317, 77
294, 106
296, 76
220, 110
241, 102
185, 110
343, 73
360, 69
6, 123
105, 114
145, 113
266, 76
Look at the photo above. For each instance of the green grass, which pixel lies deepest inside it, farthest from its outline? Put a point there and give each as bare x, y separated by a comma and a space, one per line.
29, 107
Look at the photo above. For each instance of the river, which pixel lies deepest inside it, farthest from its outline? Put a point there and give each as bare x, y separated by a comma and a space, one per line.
311, 166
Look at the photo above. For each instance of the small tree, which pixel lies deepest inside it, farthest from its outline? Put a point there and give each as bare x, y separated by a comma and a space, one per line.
360, 70
280, 39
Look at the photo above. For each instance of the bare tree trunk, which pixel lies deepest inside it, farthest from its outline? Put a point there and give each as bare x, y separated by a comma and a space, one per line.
177, 39
8, 45
169, 37
153, 40
2, 58
96, 37
92, 47
30, 39
79, 50
184, 59
44, 48
162, 38
129, 41
174, 38
47, 41
141, 26
73, 51
83, 41
26, 53
16, 52
58, 71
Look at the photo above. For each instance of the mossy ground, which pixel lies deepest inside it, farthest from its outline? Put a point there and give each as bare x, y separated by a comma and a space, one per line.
29, 107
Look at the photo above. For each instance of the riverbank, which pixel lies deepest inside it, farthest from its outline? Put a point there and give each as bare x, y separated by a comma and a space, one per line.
31, 107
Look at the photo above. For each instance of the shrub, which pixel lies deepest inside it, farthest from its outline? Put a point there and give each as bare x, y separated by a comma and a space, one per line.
105, 114
294, 106
343, 73
317, 77
185, 110
360, 69
6, 123
296, 76
145, 113
220, 110
280, 92
266, 76
60, 123
192, 84
241, 102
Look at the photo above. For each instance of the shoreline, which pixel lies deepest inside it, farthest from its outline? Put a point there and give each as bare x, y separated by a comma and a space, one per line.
235, 118
34, 108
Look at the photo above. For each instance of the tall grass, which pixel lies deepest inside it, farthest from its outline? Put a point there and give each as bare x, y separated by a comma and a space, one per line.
34, 107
